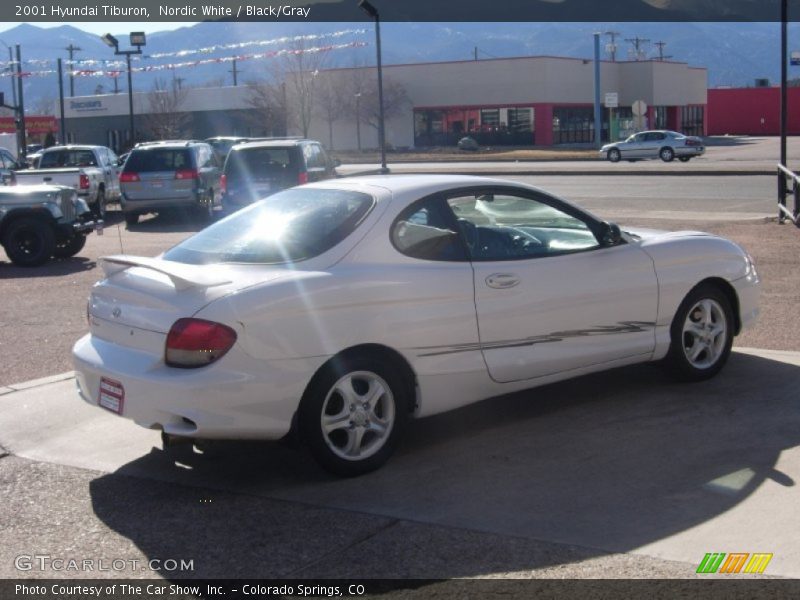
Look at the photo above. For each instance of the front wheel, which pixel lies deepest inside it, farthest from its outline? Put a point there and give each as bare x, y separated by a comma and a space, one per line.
29, 242
701, 334
71, 247
614, 155
666, 154
353, 415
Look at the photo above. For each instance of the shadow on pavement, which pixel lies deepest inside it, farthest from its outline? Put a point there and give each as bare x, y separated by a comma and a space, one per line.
608, 462
169, 221
729, 140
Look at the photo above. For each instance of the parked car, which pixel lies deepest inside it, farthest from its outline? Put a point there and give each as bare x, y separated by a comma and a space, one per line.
222, 145
8, 164
340, 309
255, 170
666, 145
170, 174
38, 222
92, 170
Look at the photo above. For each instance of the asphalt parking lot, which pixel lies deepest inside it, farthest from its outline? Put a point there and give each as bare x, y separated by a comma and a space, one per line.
622, 475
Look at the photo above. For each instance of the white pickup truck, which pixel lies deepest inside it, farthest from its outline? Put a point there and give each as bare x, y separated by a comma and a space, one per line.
92, 170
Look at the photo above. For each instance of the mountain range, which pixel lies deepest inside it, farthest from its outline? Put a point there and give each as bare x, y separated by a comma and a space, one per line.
735, 54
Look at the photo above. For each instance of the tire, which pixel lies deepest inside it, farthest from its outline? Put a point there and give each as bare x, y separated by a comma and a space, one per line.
131, 219
666, 154
99, 205
71, 247
29, 242
701, 334
614, 155
684, 158
365, 405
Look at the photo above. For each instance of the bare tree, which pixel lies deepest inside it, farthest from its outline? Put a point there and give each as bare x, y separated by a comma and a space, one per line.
43, 105
166, 119
299, 68
333, 99
268, 101
364, 105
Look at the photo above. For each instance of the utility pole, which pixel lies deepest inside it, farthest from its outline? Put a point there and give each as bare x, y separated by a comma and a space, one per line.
235, 72
476, 53
72, 49
598, 117
611, 47
637, 46
116, 82
660, 46
63, 130
22, 147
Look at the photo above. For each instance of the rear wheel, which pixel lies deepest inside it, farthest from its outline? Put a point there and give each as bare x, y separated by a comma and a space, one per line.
614, 155
701, 334
131, 219
71, 247
666, 154
29, 242
353, 415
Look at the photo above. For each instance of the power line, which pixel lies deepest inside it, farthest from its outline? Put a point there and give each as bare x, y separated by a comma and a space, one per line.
638, 43
660, 45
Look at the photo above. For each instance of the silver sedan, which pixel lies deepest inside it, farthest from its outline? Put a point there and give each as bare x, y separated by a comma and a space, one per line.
666, 145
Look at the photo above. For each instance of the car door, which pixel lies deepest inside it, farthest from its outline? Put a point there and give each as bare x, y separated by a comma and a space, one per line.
633, 146
653, 142
549, 297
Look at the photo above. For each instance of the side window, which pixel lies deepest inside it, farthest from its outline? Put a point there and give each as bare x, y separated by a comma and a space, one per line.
502, 226
425, 230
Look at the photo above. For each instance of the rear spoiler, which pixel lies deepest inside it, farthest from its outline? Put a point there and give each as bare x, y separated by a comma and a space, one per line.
183, 276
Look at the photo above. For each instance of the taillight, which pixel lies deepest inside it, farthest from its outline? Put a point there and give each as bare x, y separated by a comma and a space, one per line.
223, 184
302, 178
187, 174
193, 343
692, 142
83, 183
126, 177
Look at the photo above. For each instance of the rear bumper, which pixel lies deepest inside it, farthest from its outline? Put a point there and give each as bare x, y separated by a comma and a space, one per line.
235, 398
132, 205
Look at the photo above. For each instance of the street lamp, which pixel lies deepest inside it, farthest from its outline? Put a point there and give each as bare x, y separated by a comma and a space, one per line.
137, 38
358, 119
373, 13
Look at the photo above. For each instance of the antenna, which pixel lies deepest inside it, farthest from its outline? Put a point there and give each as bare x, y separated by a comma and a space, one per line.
638, 52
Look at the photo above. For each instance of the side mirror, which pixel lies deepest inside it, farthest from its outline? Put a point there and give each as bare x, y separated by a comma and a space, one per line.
610, 235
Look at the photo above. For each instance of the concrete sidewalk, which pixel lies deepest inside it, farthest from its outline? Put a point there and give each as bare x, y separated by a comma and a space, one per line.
621, 474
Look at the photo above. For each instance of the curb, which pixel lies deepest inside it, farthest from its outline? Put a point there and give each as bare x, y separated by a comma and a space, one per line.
443, 170
33, 383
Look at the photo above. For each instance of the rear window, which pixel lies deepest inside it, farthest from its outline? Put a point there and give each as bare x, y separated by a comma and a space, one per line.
289, 226
67, 158
158, 159
253, 163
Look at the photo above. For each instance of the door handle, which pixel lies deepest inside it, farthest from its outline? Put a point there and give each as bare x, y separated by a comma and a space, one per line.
48, 179
502, 281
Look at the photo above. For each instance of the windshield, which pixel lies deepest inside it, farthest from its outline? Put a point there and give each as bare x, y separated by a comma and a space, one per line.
290, 226
160, 159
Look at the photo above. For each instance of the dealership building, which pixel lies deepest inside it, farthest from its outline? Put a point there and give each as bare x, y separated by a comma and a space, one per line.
539, 100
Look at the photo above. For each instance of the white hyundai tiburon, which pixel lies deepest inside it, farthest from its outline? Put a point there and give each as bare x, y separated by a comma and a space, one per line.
343, 308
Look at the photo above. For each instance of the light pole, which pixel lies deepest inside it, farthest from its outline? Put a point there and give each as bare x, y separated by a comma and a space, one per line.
373, 12
10, 69
137, 38
358, 119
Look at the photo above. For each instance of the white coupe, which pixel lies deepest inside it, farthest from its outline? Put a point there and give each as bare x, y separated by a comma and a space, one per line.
340, 309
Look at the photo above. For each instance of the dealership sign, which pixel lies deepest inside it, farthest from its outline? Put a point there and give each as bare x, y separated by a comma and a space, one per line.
33, 125
87, 105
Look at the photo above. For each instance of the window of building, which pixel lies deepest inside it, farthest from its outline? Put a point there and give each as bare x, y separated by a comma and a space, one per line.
573, 125
692, 120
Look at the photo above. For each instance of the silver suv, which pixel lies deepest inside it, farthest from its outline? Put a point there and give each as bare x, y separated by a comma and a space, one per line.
171, 174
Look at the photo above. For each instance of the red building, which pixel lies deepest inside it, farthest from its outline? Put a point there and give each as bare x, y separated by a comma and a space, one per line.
751, 111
